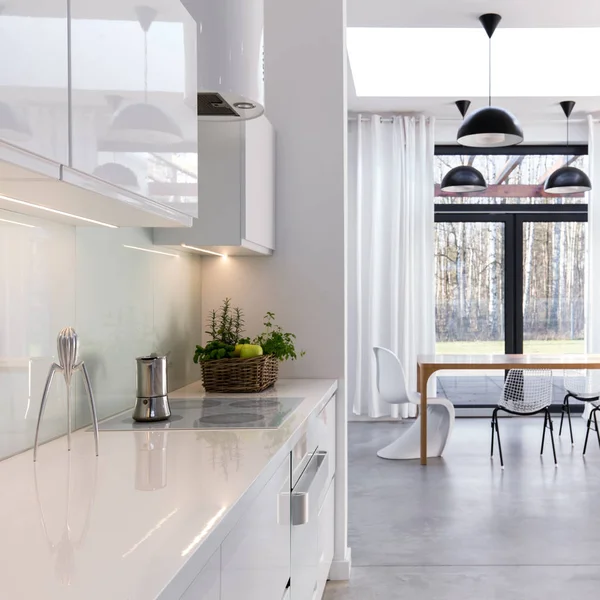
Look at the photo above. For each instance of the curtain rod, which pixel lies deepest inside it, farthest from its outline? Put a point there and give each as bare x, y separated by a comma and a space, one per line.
365, 119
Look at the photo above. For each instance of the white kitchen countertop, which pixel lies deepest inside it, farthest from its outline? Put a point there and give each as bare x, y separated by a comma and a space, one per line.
119, 541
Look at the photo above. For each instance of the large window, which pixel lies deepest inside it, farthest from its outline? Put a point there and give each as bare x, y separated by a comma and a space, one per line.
510, 261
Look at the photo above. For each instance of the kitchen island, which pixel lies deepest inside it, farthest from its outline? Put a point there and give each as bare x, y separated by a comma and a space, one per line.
142, 520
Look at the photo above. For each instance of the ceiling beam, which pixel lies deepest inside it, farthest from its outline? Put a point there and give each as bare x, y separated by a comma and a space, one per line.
512, 162
561, 161
505, 191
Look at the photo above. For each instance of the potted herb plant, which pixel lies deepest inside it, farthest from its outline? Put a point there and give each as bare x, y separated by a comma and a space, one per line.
232, 363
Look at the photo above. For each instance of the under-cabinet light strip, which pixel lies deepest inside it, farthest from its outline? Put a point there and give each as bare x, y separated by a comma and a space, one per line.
57, 212
17, 223
203, 250
151, 251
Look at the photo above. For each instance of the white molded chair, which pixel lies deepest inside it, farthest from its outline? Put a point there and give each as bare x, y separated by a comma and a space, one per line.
525, 392
391, 385
584, 386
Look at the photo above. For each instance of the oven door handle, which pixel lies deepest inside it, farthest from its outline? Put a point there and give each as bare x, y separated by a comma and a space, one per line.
310, 484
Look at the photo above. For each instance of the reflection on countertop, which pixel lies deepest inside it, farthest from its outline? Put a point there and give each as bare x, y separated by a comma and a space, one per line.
68, 503
172, 494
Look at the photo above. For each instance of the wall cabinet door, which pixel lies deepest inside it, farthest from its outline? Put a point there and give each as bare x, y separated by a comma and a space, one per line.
255, 556
134, 118
207, 586
237, 203
34, 96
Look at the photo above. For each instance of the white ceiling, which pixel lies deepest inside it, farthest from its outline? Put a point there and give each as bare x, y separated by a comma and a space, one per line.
465, 13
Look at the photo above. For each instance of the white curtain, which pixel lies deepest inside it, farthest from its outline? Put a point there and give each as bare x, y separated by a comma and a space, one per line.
390, 251
592, 281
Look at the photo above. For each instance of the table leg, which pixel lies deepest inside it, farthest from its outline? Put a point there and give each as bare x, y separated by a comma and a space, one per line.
422, 385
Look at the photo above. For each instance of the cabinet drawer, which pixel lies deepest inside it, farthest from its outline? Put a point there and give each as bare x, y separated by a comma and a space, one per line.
207, 585
325, 426
326, 539
255, 556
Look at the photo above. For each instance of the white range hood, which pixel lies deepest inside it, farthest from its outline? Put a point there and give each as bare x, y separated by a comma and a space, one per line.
230, 58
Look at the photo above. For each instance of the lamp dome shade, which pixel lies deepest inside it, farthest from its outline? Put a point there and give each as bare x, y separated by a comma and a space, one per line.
463, 179
567, 180
490, 127
117, 174
145, 124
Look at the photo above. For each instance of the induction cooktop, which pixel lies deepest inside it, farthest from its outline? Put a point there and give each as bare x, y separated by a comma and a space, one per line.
214, 413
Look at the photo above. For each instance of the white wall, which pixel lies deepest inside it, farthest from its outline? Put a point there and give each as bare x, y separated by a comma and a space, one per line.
303, 282
123, 303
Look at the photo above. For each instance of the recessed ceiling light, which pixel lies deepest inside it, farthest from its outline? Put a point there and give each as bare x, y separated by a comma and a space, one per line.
151, 251
203, 250
56, 212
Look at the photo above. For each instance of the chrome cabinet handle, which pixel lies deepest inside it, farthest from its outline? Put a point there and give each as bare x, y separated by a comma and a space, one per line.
308, 485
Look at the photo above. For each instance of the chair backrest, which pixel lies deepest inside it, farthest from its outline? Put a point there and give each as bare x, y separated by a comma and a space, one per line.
391, 383
582, 381
527, 390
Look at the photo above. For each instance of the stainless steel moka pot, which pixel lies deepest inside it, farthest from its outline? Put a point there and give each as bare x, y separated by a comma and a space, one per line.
152, 403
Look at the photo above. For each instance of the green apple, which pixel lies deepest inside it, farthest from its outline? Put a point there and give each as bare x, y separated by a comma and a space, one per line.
238, 349
250, 351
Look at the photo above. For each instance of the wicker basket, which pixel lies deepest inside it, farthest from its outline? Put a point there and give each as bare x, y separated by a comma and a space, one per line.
240, 375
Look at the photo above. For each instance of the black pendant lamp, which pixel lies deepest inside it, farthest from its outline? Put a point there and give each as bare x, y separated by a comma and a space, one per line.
567, 180
463, 178
490, 127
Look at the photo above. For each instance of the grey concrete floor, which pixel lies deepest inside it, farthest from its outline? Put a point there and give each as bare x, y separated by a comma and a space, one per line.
462, 528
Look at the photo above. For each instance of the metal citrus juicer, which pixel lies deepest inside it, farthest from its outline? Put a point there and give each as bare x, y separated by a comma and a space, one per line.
67, 345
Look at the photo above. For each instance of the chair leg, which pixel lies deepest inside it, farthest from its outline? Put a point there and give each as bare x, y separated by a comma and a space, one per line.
566, 407
552, 437
494, 415
499, 444
587, 433
570, 426
595, 413
544, 433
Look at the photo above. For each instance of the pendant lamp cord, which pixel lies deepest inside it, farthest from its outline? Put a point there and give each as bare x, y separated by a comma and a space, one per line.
568, 157
490, 72
145, 67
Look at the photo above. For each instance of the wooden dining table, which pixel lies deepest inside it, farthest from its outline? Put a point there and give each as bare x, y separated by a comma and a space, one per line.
428, 364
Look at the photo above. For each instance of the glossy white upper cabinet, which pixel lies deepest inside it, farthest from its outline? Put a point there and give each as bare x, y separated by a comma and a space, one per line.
237, 192
133, 118
34, 78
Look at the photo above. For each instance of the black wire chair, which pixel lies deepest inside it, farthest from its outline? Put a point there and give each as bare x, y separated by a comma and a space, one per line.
583, 386
526, 392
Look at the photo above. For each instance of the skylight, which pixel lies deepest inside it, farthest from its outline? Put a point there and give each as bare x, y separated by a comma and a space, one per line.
426, 62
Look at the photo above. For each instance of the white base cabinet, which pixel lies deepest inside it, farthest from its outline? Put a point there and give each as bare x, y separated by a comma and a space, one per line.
207, 585
325, 540
255, 556
268, 557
